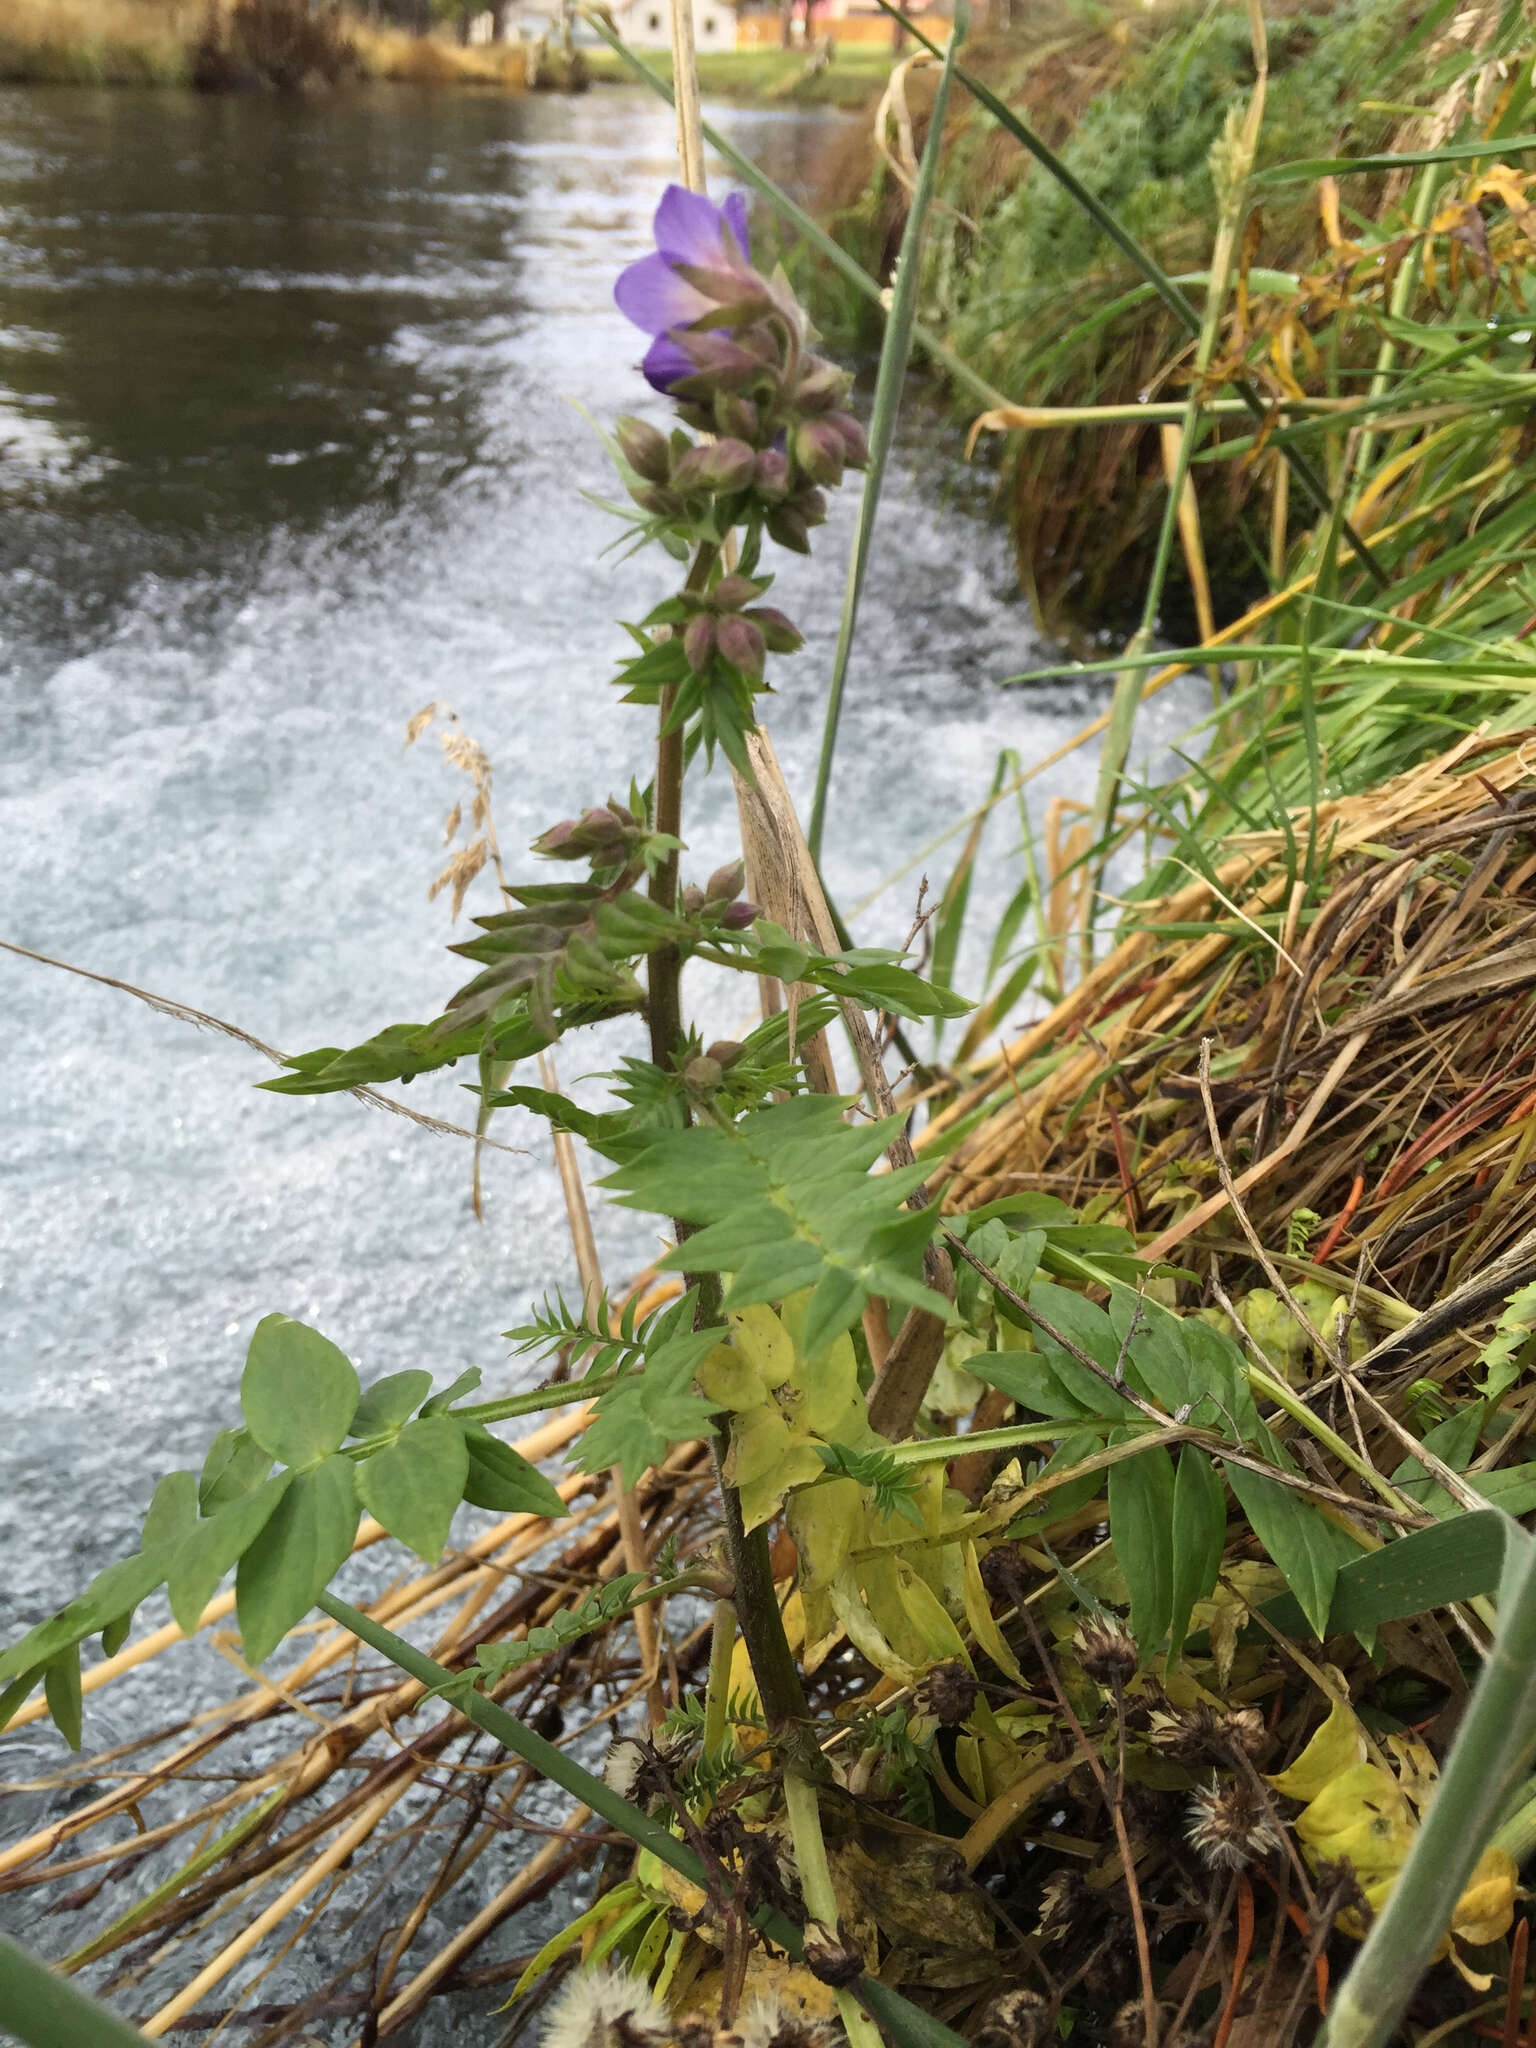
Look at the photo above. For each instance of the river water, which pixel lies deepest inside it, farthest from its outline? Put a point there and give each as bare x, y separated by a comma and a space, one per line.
293, 441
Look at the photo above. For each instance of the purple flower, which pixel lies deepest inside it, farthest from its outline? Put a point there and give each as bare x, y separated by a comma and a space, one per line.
690, 231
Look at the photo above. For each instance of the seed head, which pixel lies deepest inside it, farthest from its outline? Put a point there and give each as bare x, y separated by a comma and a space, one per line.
1013, 2019
772, 2023
605, 2009
1106, 1649
830, 1957
1229, 1826
948, 1692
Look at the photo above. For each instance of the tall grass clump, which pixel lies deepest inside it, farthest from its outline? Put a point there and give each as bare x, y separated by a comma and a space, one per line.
97, 42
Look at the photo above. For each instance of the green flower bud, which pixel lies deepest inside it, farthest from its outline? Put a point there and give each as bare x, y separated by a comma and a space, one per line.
819, 451
726, 883
772, 479
739, 915
820, 388
740, 642
737, 417
780, 635
703, 1074
725, 1052
699, 642
790, 528
693, 899
651, 498
732, 465
732, 592
852, 436
644, 449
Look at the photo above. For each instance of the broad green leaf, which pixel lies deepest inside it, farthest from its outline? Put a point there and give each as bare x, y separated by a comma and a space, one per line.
1454, 1560
1308, 1549
61, 1688
299, 1393
235, 1465
415, 1483
1086, 1326
1141, 1532
1016, 1263
502, 1479
215, 1545
388, 1402
305, 1541
172, 1513
1199, 1534
45, 2010
112, 1593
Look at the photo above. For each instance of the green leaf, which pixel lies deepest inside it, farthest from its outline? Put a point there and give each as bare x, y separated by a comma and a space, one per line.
304, 1542
299, 1393
61, 1688
502, 1479
466, 1383
1308, 1549
387, 1403
215, 1545
1015, 1265
1141, 1493
44, 2010
1087, 1326
415, 1483
235, 1465
172, 1513
1199, 1534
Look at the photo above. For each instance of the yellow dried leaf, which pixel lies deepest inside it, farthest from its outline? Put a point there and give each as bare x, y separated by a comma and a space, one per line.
1337, 1745
1362, 1814
765, 1343
1487, 1906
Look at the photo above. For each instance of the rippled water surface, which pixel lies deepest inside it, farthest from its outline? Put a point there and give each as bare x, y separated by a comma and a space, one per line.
292, 443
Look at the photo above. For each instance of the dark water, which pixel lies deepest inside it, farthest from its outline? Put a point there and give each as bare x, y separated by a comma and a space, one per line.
291, 444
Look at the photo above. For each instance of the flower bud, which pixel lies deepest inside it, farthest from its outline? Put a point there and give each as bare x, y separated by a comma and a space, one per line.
820, 388
732, 465
651, 498
737, 417
726, 883
644, 449
703, 1074
855, 444
780, 635
723, 364
693, 899
772, 479
555, 844
819, 451
699, 642
790, 528
737, 916
740, 643
725, 1052
811, 505
732, 592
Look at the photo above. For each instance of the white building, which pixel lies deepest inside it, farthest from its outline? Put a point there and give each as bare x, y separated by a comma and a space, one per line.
647, 24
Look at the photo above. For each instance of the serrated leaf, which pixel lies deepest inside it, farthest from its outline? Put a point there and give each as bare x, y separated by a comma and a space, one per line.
298, 1391
414, 1484
235, 1465
300, 1548
502, 1479
1141, 1533
388, 1402
217, 1544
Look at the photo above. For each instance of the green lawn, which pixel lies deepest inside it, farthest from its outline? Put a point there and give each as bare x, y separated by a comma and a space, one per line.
854, 78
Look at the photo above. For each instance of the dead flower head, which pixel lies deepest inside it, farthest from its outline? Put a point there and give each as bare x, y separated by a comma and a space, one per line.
1013, 2019
947, 1692
644, 1767
1203, 1734
605, 2009
1107, 1651
774, 2023
1230, 1825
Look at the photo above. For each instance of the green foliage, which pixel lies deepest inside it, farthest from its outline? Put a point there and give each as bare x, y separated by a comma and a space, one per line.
892, 1488
783, 1201
655, 1404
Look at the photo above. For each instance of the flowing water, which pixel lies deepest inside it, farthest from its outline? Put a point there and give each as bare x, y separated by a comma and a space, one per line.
293, 440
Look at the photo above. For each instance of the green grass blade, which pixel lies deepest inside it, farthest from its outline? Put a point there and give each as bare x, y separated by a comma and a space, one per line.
1306, 170
888, 383
47, 2011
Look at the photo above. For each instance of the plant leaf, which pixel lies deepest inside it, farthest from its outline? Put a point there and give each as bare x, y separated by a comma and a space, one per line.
301, 1546
299, 1393
1141, 1491
414, 1484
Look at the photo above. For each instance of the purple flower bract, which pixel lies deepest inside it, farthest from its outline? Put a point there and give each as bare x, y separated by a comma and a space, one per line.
691, 230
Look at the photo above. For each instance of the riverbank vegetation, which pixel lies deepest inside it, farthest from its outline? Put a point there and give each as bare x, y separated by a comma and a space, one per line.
1069, 1582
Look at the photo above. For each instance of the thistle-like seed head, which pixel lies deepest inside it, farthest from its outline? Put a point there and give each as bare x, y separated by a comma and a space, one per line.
1020, 2018
1229, 1825
605, 2009
947, 1692
1107, 1651
831, 1957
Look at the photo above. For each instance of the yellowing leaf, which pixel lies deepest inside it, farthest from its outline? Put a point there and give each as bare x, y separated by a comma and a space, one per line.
763, 1340
1336, 1745
730, 1380
1361, 1814
1487, 1906
983, 1624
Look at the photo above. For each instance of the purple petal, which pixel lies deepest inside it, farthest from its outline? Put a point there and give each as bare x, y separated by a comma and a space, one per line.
665, 364
687, 228
735, 213
652, 294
